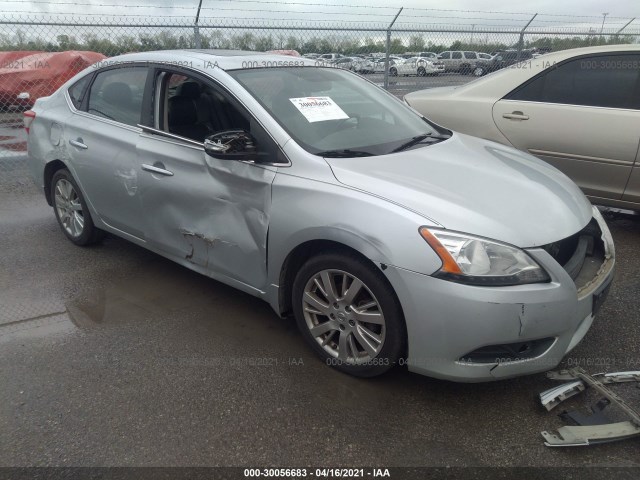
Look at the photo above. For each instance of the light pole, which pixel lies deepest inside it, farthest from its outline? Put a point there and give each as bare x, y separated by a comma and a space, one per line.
604, 17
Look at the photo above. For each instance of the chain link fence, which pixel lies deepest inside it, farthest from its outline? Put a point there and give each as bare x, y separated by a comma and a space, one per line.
40, 52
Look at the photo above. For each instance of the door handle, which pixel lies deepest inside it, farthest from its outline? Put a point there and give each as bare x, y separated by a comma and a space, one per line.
157, 169
515, 116
78, 144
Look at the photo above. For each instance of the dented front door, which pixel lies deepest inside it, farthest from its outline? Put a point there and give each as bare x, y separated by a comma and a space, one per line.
211, 213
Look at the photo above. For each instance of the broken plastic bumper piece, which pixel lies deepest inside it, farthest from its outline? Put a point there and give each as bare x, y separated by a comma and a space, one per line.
593, 429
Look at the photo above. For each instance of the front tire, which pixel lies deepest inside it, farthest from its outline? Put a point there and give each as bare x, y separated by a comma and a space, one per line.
422, 72
349, 314
71, 210
393, 71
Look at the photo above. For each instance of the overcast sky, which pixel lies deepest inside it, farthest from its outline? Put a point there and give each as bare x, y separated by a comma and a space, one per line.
552, 13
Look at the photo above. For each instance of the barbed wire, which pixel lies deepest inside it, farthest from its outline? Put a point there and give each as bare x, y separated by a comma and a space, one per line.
190, 18
282, 3
444, 17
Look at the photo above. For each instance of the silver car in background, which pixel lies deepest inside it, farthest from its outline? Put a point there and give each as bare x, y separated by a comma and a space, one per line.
416, 66
392, 240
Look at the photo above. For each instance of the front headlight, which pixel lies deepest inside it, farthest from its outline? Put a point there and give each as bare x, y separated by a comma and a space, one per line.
478, 261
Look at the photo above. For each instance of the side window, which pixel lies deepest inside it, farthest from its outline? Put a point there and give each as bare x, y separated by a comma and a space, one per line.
611, 81
470, 55
456, 55
117, 94
195, 109
445, 55
78, 89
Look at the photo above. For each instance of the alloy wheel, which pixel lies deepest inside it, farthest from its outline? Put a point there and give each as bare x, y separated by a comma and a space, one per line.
344, 316
69, 208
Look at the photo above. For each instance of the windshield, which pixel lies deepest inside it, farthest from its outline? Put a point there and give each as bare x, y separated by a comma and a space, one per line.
332, 112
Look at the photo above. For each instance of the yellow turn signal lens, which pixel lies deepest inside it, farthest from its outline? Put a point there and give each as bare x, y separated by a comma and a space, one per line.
449, 265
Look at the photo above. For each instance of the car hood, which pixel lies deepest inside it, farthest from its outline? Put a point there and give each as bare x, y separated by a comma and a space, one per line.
474, 186
431, 91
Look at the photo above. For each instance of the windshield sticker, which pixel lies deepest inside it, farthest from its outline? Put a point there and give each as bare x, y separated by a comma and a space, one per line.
318, 109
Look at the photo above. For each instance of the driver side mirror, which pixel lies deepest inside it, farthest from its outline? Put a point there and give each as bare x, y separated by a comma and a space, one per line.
231, 145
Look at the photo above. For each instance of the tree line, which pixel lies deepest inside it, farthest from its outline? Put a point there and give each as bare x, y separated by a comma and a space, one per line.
345, 43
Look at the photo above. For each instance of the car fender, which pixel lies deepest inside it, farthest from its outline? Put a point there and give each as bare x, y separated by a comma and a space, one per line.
384, 232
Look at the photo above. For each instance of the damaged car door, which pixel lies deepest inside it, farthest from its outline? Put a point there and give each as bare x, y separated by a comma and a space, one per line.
101, 136
210, 213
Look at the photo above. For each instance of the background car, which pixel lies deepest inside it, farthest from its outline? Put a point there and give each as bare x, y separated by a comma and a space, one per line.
416, 66
510, 57
26, 78
327, 57
379, 64
501, 60
8, 59
364, 65
344, 62
578, 110
458, 61
291, 53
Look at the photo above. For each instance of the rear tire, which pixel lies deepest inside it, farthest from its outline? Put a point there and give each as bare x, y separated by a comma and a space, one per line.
393, 72
349, 315
71, 210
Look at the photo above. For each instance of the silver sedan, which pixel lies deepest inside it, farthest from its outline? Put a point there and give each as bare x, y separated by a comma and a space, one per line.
391, 240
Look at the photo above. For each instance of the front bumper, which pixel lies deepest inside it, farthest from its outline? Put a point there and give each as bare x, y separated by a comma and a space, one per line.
447, 320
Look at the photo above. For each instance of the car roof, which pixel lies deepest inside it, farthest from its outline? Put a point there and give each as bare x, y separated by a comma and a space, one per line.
504, 80
501, 82
203, 59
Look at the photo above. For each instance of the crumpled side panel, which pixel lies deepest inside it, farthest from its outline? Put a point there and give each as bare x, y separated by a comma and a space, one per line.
212, 213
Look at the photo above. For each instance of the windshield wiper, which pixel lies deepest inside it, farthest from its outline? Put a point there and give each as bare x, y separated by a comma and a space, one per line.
345, 153
419, 138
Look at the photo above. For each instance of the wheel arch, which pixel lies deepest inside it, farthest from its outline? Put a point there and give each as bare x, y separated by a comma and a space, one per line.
312, 248
50, 170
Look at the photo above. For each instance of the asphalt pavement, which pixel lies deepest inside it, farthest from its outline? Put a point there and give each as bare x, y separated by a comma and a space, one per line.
112, 355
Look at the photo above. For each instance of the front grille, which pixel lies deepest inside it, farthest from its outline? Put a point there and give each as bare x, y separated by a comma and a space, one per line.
581, 255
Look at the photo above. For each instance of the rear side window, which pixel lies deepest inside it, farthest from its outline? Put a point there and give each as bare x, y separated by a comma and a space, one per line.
456, 55
78, 89
445, 55
611, 81
117, 94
